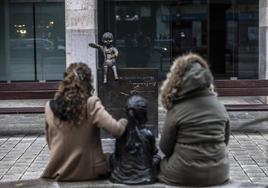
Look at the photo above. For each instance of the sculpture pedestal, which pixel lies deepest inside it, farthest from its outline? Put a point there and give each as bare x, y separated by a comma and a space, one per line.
141, 81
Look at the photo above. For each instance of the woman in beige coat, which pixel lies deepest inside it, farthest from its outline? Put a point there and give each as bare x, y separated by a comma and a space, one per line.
73, 122
196, 132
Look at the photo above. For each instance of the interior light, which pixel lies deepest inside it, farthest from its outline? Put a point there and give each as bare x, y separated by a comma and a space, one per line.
117, 17
23, 31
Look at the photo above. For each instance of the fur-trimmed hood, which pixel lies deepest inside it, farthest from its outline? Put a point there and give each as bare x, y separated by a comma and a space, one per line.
188, 73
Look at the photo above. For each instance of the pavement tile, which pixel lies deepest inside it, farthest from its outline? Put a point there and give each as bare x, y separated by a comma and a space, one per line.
246, 162
259, 179
26, 157
255, 174
10, 178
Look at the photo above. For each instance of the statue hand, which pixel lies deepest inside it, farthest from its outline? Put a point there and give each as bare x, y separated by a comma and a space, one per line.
91, 45
131, 118
130, 114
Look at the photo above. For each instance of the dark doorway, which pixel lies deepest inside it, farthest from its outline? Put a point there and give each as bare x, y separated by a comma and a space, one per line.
217, 36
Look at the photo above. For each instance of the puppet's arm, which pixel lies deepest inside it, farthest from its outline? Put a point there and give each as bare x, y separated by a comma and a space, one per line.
93, 45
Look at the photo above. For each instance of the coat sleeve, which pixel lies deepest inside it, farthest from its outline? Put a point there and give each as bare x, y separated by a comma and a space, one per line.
168, 136
227, 132
47, 126
102, 119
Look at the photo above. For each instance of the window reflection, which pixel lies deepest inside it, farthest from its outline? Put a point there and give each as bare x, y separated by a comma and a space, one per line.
50, 41
33, 41
20, 54
153, 33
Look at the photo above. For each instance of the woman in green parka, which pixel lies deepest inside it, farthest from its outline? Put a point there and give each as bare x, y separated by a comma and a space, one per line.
195, 136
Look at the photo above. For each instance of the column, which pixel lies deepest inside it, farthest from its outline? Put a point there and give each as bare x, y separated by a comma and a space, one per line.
263, 39
81, 27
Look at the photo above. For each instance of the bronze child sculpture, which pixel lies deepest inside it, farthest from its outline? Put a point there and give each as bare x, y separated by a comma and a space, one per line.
135, 160
110, 54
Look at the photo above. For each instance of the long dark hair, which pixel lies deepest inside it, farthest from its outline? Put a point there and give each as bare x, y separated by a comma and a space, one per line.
69, 103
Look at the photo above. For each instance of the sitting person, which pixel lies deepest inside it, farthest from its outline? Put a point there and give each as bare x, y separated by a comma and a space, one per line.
73, 122
135, 160
196, 132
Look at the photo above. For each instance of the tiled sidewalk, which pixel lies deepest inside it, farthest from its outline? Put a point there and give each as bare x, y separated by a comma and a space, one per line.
25, 157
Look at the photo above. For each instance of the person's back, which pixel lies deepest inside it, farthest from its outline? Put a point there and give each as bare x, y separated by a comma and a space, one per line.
200, 151
196, 131
73, 122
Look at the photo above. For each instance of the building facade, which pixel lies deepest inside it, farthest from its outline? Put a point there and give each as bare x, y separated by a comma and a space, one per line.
39, 38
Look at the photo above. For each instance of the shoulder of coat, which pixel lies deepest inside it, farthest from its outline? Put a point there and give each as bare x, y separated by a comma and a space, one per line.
92, 100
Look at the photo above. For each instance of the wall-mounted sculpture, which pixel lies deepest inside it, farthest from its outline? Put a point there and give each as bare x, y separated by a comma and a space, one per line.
110, 54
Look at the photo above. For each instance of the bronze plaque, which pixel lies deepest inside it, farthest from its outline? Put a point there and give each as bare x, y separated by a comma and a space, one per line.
141, 81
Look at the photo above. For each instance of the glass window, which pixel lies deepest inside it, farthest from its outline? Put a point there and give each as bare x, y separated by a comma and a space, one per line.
153, 33
248, 35
50, 41
18, 59
33, 41
233, 39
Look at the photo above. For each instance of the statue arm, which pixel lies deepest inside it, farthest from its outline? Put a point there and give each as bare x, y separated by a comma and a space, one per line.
151, 138
116, 53
94, 45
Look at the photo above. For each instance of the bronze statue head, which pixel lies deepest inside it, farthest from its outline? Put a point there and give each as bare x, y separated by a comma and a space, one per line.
107, 39
137, 108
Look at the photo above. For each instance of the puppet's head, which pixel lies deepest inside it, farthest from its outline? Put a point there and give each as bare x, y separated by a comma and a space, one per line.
107, 39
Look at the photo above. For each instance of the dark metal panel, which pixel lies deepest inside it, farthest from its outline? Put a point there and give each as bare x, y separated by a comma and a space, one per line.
141, 81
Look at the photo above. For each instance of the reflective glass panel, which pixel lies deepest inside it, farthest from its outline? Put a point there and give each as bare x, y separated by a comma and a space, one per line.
19, 44
32, 40
153, 33
50, 41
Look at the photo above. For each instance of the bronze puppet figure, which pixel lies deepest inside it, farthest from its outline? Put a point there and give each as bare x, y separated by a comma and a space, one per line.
110, 54
135, 160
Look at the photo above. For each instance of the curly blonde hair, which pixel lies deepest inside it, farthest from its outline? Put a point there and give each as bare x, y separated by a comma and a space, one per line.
69, 103
172, 85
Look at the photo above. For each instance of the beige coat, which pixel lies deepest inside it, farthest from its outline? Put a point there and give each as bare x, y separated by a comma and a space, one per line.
76, 151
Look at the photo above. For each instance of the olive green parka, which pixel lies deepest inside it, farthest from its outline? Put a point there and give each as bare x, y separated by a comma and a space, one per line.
196, 132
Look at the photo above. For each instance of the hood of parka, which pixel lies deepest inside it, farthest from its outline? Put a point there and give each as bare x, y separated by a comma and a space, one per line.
188, 74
